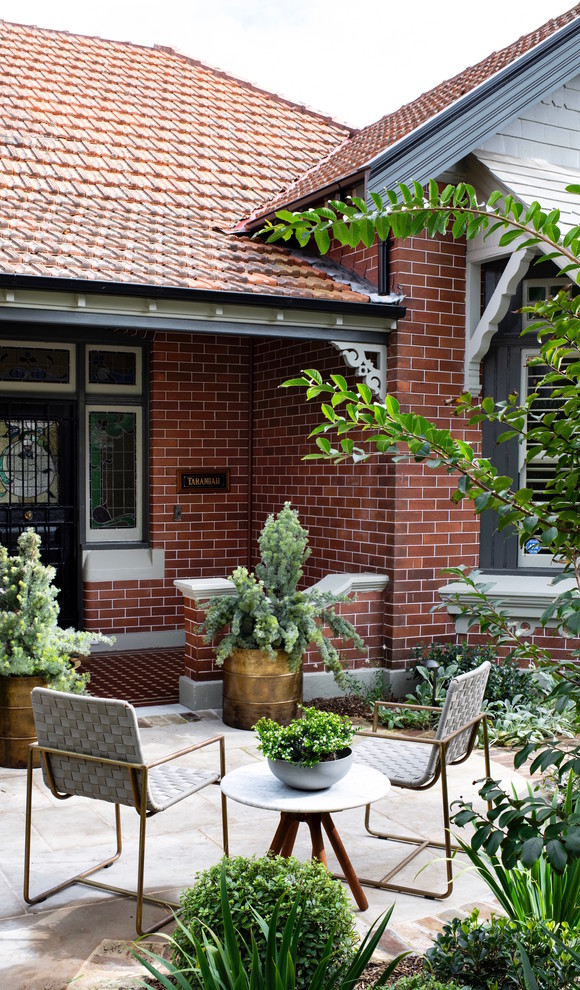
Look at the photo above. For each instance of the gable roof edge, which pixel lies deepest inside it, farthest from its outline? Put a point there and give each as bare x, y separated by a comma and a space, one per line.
453, 133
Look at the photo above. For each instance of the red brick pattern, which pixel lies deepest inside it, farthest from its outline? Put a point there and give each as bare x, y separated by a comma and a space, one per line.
193, 379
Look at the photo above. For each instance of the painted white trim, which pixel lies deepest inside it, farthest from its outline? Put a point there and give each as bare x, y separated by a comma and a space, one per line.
201, 589
524, 596
223, 317
126, 564
346, 584
357, 356
478, 338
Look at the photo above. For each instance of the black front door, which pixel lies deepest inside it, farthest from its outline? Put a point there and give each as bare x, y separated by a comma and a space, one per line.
38, 489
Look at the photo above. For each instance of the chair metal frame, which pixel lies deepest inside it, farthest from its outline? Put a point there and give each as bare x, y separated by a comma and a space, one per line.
138, 774
385, 883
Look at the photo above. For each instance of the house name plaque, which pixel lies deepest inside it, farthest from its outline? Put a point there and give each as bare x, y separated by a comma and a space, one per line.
203, 481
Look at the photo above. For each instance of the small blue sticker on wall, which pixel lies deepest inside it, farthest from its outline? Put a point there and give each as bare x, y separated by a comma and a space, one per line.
532, 546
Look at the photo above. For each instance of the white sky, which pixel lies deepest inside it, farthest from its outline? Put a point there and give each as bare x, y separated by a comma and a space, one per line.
352, 59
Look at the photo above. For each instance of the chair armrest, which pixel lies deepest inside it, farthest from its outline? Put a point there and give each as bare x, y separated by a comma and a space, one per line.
188, 749
401, 704
430, 741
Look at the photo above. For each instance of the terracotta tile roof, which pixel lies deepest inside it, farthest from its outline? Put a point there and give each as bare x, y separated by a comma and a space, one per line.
127, 164
355, 153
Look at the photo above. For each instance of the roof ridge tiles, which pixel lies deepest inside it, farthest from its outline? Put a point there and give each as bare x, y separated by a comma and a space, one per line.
170, 50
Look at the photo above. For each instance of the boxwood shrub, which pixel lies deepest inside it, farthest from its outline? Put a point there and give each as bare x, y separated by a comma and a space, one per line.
258, 883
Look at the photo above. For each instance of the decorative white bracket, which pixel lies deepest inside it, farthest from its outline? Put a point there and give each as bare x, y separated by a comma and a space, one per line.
356, 356
480, 333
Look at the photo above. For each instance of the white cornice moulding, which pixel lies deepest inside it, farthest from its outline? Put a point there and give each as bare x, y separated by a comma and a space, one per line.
524, 596
202, 589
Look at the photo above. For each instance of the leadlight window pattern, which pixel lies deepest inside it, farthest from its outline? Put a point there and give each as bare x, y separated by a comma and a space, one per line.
29, 451
113, 470
107, 367
29, 365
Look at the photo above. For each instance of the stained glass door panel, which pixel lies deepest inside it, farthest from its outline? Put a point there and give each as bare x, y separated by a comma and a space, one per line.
38, 489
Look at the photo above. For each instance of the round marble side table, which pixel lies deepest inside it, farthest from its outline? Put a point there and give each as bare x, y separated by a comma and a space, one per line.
256, 786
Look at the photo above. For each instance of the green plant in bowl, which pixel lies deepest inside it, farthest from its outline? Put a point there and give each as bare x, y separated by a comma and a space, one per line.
314, 737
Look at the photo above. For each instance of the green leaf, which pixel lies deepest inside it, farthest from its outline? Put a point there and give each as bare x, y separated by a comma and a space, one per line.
556, 855
322, 238
295, 382
549, 535
532, 850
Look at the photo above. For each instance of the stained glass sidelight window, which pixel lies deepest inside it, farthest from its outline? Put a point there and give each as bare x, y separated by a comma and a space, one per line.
113, 487
29, 461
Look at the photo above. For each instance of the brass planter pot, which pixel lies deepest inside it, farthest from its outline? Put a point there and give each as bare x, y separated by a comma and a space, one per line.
255, 686
17, 729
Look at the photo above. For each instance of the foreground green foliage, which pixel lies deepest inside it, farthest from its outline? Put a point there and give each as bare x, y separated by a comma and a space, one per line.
305, 740
423, 981
485, 956
538, 875
355, 427
233, 963
31, 641
530, 835
259, 884
268, 613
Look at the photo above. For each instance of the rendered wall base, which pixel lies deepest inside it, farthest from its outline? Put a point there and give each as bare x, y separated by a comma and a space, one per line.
201, 695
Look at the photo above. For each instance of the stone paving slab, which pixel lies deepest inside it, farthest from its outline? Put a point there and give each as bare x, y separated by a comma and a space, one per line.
86, 935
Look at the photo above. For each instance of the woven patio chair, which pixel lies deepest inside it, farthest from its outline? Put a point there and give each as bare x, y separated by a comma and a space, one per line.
91, 747
418, 763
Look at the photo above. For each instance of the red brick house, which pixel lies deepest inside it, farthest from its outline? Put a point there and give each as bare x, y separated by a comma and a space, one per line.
145, 333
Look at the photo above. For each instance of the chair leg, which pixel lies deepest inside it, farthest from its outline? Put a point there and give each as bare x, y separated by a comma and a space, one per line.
421, 844
79, 877
83, 878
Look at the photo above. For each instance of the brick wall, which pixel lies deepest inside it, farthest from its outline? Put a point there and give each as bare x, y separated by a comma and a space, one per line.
193, 381
210, 395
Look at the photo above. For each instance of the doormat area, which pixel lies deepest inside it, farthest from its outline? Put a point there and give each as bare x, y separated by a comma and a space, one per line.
145, 677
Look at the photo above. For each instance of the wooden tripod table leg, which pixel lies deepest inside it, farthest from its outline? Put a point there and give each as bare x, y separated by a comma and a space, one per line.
347, 868
285, 836
318, 851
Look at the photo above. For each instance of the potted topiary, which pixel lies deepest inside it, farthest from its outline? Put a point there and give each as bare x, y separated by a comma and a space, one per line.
267, 625
34, 650
312, 752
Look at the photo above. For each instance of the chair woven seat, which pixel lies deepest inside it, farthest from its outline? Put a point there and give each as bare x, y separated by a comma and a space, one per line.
168, 785
91, 747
